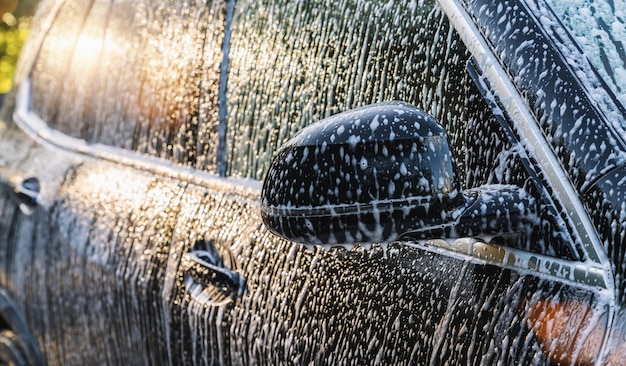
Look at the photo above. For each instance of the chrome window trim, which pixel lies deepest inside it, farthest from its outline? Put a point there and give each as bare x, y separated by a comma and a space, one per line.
526, 126
479, 251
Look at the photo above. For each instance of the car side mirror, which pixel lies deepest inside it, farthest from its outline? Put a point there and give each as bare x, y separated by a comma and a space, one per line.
375, 173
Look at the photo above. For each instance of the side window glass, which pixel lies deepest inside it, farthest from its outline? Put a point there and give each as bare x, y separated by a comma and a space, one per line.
292, 64
600, 32
138, 75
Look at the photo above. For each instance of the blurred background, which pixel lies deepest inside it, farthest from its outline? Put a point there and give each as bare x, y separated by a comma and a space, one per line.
15, 16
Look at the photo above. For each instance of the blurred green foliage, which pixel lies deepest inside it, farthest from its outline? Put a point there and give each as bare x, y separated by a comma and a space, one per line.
13, 33
15, 16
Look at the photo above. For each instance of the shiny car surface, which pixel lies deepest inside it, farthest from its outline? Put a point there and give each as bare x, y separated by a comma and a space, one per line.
314, 182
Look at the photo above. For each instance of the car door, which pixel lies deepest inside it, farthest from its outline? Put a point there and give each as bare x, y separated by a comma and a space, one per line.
149, 243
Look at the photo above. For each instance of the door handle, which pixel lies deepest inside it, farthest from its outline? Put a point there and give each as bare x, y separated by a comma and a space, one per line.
205, 268
26, 193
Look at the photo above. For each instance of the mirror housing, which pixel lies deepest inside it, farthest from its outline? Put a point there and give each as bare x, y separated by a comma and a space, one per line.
375, 173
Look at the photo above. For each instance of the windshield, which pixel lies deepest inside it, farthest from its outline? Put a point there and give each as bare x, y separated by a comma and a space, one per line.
599, 27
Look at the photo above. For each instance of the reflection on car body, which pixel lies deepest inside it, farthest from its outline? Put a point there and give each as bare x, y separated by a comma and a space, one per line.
453, 195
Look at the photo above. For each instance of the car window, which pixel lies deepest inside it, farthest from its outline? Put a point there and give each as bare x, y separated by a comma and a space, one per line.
599, 27
295, 63
138, 75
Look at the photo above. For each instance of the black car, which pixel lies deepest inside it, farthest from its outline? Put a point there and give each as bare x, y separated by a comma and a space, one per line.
316, 182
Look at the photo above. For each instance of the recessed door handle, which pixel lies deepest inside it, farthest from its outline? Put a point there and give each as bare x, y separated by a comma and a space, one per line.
26, 193
201, 265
